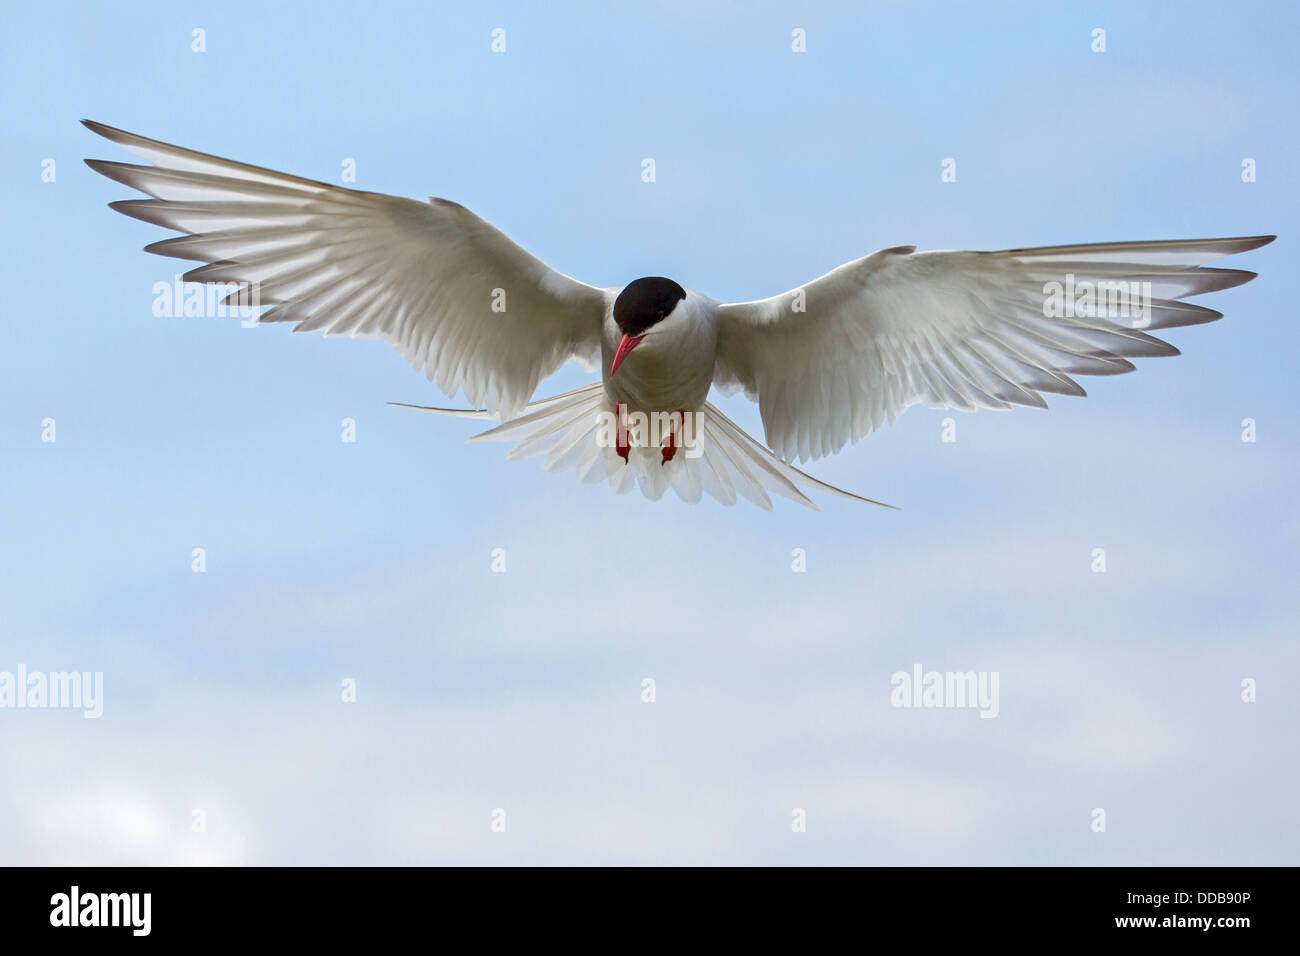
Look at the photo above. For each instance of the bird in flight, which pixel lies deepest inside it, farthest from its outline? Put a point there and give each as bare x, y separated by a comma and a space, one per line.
827, 362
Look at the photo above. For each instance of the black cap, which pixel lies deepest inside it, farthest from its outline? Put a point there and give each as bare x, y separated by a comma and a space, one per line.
644, 302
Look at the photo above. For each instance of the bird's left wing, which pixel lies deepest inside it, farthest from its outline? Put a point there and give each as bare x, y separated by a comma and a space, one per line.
452, 293
832, 360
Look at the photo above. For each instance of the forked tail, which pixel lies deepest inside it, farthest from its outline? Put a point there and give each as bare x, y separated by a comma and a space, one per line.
569, 430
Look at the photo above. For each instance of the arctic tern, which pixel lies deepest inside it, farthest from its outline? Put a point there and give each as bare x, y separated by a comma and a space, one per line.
827, 362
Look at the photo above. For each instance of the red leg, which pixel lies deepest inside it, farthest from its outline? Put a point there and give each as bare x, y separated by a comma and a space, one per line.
622, 443
669, 450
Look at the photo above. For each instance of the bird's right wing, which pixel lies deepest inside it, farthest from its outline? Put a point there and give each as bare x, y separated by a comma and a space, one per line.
452, 293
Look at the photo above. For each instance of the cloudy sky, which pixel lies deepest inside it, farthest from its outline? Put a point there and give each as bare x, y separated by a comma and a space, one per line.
486, 698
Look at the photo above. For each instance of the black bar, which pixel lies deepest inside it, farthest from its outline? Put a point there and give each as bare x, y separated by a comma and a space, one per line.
331, 905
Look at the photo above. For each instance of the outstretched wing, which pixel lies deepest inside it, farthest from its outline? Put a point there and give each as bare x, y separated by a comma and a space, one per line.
829, 362
430, 278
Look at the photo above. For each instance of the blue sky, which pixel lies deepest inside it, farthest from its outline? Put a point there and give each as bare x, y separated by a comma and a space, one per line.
371, 561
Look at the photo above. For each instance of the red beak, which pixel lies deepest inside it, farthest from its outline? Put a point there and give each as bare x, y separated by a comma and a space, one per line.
625, 348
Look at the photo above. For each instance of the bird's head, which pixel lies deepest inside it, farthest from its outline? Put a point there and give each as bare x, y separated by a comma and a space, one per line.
642, 305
